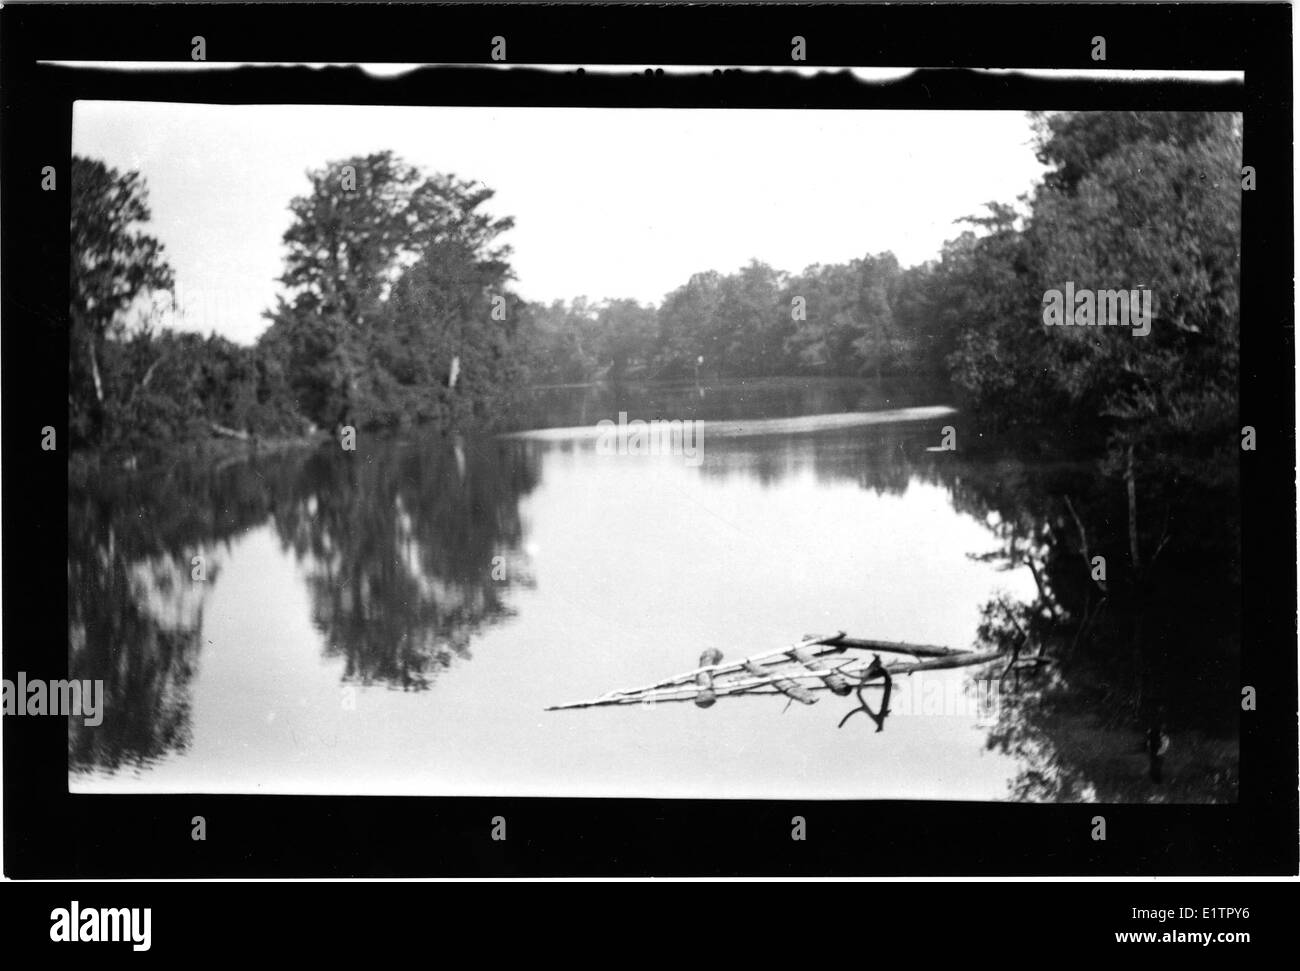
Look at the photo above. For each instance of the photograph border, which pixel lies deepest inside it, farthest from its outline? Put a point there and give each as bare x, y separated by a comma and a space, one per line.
50, 833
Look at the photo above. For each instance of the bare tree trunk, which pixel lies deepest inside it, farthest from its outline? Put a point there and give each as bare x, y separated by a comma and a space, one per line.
99, 415
94, 373
148, 375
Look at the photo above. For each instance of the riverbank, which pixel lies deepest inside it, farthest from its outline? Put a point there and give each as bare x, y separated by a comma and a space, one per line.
217, 450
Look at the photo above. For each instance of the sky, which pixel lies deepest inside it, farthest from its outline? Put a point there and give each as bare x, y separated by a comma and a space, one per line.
607, 202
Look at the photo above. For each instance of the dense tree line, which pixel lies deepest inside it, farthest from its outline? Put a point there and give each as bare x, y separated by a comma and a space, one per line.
866, 317
1130, 199
397, 305
396, 310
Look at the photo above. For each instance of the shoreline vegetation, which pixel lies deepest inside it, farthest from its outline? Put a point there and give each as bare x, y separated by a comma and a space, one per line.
397, 313
397, 308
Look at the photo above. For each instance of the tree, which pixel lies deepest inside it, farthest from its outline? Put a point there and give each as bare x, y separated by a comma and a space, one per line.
1073, 143
367, 225
749, 326
987, 298
685, 316
822, 289
849, 325
561, 341
925, 337
114, 266
1134, 201
876, 279
1160, 208
627, 333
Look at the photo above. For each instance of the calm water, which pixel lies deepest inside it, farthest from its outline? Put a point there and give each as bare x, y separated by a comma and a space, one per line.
396, 619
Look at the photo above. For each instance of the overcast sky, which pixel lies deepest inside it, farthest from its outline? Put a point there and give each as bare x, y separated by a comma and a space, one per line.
607, 202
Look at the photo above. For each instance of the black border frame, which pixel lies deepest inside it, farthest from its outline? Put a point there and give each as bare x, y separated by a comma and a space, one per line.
51, 833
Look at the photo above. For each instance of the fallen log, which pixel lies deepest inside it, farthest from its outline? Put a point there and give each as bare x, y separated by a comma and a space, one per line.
781, 677
715, 670
836, 682
961, 660
898, 647
785, 685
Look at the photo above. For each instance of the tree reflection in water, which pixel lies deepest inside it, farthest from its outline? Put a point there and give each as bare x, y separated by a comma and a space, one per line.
1138, 702
401, 547
409, 549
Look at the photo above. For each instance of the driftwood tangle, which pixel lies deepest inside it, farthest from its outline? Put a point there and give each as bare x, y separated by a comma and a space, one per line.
835, 663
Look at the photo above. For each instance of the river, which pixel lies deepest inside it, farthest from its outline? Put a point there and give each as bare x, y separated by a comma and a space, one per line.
397, 619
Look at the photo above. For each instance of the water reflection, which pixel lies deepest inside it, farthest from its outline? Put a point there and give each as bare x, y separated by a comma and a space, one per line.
1136, 709
585, 405
411, 550
408, 549
134, 611
401, 548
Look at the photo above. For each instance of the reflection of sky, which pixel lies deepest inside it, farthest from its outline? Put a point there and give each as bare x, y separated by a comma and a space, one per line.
627, 428
640, 563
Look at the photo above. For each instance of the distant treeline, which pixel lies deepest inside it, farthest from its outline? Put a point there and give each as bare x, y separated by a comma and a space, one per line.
866, 317
1131, 200
397, 305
